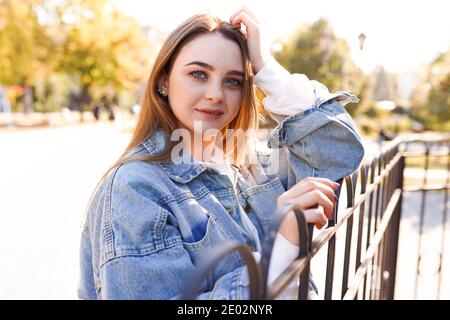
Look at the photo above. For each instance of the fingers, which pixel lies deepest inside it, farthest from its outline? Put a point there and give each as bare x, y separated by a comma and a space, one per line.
324, 185
248, 20
243, 18
316, 216
308, 200
245, 10
315, 197
251, 29
328, 182
289, 227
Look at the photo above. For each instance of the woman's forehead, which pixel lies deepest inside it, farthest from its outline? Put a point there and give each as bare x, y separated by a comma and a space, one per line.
213, 49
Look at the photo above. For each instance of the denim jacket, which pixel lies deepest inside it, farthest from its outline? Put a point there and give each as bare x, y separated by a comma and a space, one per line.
150, 225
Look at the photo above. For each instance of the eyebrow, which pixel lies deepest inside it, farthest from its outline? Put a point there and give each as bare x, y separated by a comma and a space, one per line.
209, 67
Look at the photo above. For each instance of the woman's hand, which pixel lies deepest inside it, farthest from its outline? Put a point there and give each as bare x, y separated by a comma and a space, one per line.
306, 194
259, 53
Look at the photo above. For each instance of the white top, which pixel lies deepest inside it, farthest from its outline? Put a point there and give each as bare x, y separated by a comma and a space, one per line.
284, 252
224, 168
287, 94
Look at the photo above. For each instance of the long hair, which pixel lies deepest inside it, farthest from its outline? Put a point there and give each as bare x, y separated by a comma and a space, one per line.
155, 112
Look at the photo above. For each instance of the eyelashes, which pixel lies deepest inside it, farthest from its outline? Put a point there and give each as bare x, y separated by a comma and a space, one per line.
235, 82
200, 75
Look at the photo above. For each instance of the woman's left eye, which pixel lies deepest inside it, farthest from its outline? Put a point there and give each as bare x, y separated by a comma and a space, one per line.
234, 82
198, 74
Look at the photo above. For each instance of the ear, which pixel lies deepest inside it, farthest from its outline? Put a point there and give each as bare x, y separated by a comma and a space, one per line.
163, 82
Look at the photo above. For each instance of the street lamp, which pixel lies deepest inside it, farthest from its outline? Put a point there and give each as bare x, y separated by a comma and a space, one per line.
362, 37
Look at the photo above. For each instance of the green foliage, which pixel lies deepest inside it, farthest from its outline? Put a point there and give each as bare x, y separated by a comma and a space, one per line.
372, 111
439, 101
316, 52
25, 47
101, 55
434, 110
302, 54
390, 122
51, 94
86, 46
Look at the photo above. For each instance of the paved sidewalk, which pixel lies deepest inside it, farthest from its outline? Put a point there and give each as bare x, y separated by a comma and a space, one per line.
47, 176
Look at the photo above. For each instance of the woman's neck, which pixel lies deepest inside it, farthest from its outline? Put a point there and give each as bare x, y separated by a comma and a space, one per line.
205, 150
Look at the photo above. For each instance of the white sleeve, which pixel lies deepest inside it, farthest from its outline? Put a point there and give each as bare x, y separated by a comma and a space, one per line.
283, 253
287, 94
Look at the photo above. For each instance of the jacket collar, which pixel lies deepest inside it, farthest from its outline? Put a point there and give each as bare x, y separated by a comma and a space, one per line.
181, 173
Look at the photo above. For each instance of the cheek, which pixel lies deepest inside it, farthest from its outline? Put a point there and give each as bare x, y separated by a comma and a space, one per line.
234, 100
180, 95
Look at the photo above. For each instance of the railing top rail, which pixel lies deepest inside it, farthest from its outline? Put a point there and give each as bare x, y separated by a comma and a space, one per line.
377, 173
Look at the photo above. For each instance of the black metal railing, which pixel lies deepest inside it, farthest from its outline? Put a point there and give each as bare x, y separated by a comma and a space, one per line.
431, 154
361, 263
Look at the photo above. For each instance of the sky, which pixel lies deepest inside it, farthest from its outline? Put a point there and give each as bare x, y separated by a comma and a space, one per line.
400, 34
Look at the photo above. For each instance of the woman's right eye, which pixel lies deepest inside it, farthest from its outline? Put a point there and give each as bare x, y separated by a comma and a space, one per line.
198, 74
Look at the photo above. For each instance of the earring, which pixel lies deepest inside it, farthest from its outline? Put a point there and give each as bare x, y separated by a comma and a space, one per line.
162, 91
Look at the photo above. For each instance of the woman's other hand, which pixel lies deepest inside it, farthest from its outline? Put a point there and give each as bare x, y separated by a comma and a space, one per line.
315, 197
259, 52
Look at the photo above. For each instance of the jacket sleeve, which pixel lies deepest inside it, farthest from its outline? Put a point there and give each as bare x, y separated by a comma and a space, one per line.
142, 254
320, 142
315, 136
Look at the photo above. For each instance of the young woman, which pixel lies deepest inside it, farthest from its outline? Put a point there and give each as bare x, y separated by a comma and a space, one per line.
153, 218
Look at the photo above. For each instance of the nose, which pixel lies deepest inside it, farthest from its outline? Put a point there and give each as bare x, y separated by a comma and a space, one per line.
214, 93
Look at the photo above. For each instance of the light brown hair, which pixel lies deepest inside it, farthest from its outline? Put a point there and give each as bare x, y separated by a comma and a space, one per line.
155, 110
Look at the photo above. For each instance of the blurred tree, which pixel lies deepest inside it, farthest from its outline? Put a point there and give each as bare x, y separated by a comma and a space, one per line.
439, 101
25, 50
431, 100
316, 52
104, 50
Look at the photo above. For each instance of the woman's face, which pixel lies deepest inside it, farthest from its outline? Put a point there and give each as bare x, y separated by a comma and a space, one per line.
206, 82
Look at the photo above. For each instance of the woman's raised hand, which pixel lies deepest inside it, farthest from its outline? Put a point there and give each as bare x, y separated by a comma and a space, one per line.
258, 51
315, 197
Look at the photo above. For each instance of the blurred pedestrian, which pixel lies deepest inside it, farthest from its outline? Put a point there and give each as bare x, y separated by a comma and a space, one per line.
96, 111
384, 136
5, 107
112, 112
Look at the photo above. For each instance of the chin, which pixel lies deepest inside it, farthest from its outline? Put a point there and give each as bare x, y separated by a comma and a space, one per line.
210, 125
202, 125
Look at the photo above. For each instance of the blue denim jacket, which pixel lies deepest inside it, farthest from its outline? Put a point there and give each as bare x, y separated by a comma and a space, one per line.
149, 225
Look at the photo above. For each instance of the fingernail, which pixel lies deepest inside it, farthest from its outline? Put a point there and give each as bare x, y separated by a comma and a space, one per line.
336, 185
335, 198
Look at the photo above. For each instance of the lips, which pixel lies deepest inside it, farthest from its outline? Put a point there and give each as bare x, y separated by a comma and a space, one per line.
210, 114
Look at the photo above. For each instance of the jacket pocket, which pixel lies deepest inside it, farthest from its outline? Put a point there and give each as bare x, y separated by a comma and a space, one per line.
205, 241
203, 250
